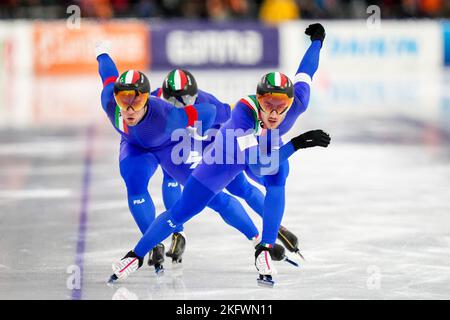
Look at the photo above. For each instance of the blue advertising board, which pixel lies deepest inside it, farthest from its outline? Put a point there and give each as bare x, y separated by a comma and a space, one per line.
213, 45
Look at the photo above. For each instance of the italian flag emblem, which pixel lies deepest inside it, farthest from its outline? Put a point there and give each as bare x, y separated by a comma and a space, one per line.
177, 79
277, 79
129, 77
119, 122
253, 104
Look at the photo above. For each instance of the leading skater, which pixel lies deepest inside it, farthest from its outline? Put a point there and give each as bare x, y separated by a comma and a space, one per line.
253, 125
180, 89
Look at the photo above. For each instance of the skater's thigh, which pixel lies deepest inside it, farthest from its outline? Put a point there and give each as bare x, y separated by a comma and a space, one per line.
254, 177
237, 183
166, 175
217, 176
278, 179
178, 171
219, 201
194, 198
136, 166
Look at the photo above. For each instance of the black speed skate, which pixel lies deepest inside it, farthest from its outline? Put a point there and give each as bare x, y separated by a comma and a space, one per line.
278, 254
289, 240
156, 258
177, 248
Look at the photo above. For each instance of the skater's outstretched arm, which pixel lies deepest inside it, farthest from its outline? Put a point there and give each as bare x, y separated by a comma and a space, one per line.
108, 73
205, 113
107, 70
207, 109
303, 77
224, 109
310, 61
308, 67
268, 164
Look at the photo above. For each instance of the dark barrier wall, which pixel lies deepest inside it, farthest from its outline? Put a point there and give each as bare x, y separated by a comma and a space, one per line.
208, 45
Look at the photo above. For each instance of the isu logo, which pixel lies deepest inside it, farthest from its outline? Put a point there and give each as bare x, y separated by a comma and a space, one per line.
139, 201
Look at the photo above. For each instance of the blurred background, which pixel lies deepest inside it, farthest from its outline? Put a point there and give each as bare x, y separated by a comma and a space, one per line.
382, 90
221, 10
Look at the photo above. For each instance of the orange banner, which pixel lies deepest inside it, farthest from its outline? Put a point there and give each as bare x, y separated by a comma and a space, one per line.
60, 50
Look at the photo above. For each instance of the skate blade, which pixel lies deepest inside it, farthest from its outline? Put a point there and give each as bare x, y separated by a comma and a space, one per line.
291, 262
112, 280
159, 272
301, 256
265, 281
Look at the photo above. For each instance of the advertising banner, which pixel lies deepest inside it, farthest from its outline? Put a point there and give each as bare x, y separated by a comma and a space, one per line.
15, 47
15, 66
446, 40
60, 50
208, 45
353, 46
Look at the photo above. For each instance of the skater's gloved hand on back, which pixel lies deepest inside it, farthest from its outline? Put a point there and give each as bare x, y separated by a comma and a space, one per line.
101, 47
316, 32
314, 138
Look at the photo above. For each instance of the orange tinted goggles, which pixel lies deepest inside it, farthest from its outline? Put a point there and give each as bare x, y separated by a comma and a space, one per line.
278, 102
128, 98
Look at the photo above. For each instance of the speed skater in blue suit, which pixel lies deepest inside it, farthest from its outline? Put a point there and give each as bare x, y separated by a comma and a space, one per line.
146, 124
180, 89
249, 141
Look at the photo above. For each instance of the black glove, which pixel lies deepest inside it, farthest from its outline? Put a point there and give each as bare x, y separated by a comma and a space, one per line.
316, 32
310, 139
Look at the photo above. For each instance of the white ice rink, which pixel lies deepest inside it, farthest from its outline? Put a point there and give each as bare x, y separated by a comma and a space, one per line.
372, 211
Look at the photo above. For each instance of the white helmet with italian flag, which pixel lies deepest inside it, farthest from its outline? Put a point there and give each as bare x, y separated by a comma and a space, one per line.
275, 92
180, 88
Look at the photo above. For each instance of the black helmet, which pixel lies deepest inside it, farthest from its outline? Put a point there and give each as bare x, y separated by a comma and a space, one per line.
275, 92
275, 82
180, 87
132, 80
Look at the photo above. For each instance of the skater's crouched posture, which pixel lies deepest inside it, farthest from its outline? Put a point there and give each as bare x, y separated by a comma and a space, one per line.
180, 89
249, 142
146, 124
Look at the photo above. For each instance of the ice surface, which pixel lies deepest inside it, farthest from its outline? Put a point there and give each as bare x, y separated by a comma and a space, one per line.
371, 211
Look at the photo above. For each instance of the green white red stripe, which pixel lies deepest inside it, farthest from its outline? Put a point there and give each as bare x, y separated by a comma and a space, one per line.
129, 77
277, 79
252, 103
177, 79
119, 122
